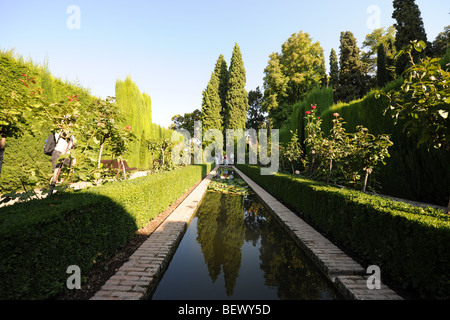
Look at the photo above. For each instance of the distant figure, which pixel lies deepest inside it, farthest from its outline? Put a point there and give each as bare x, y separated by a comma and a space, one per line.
226, 160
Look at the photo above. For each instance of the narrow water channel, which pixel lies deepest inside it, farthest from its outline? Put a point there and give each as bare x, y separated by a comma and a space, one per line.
235, 249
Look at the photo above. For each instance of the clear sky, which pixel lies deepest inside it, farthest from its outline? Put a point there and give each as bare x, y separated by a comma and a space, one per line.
169, 48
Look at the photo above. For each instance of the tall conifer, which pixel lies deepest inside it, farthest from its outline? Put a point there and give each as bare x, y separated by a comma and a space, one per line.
382, 73
221, 71
334, 69
351, 73
211, 106
409, 27
237, 96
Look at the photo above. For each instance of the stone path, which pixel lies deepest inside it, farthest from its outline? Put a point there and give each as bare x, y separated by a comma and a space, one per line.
138, 277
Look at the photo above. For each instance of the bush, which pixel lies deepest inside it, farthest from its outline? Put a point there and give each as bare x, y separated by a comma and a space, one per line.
410, 244
40, 239
411, 172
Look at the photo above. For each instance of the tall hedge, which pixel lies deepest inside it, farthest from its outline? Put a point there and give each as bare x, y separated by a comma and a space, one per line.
29, 149
137, 109
40, 239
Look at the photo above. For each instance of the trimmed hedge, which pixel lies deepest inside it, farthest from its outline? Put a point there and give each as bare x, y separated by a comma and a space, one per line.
410, 244
40, 239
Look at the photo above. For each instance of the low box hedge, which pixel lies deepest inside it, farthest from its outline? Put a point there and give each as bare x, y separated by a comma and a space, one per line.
410, 244
40, 239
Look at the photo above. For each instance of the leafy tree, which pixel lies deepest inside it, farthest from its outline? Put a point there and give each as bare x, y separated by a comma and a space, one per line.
369, 151
314, 138
441, 43
292, 150
351, 74
370, 47
291, 74
423, 100
256, 118
211, 106
334, 69
409, 26
186, 121
335, 146
237, 96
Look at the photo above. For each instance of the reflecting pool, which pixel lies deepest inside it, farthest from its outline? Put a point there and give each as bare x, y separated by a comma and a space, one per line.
235, 249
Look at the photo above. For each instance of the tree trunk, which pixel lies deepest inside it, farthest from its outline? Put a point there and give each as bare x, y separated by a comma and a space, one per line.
329, 173
448, 206
365, 181
292, 165
100, 156
2, 151
311, 168
151, 163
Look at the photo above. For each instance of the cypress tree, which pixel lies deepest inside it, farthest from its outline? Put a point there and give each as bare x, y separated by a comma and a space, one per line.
382, 73
409, 27
211, 106
334, 69
221, 71
351, 72
237, 96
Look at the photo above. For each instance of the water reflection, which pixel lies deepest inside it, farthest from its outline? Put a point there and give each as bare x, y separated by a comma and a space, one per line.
247, 255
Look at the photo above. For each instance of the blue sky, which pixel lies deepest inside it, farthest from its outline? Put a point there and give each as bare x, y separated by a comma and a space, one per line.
169, 48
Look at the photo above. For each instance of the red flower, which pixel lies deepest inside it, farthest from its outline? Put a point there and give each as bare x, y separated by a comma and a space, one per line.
313, 107
336, 114
308, 112
318, 118
128, 127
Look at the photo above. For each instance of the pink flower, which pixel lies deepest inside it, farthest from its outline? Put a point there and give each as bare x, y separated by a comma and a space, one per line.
336, 114
313, 107
308, 112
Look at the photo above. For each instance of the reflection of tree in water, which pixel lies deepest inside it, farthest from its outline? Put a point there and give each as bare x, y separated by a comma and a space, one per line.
224, 221
284, 264
221, 235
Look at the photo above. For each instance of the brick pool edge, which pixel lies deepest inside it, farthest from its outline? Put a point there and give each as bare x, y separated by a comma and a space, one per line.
137, 279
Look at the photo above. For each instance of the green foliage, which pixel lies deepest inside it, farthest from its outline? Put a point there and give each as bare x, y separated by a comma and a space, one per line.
424, 100
411, 244
291, 74
40, 239
334, 69
382, 72
409, 26
351, 73
237, 97
211, 106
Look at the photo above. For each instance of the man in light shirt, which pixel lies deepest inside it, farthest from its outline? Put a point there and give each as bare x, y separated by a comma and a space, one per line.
65, 142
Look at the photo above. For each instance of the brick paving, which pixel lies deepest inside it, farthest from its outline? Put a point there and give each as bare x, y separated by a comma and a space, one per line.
138, 277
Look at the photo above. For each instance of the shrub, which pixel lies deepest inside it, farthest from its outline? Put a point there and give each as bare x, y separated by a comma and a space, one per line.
410, 244
40, 239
